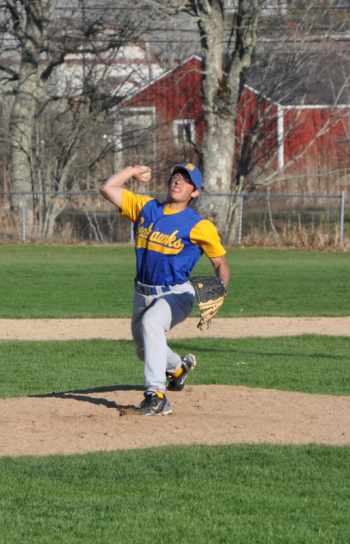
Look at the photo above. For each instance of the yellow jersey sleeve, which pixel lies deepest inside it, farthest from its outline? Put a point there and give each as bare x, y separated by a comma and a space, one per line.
206, 236
133, 204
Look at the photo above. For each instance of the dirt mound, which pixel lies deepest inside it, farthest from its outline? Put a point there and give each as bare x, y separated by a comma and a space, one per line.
79, 422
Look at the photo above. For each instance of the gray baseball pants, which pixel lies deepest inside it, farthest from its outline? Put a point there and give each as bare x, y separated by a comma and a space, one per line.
153, 316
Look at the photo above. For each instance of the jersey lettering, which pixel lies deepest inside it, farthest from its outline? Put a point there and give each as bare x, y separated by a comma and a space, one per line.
164, 241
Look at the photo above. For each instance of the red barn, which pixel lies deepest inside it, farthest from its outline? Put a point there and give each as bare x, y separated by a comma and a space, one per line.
302, 138
321, 130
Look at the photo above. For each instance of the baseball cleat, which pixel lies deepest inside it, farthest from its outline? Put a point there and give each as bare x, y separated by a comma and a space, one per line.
177, 381
154, 404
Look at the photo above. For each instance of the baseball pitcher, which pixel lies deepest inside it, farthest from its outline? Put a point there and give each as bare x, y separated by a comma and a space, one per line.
169, 240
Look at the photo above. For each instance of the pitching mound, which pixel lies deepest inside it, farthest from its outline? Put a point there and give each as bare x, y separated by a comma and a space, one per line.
83, 421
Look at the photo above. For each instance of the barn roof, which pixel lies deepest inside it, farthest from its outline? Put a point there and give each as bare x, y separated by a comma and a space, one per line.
197, 62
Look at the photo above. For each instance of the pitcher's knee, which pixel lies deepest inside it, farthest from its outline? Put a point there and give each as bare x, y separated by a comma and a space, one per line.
150, 324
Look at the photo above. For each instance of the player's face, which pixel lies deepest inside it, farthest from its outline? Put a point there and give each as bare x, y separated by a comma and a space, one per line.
181, 188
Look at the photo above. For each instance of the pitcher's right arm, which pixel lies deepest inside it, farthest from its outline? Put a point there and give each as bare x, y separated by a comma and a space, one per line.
113, 189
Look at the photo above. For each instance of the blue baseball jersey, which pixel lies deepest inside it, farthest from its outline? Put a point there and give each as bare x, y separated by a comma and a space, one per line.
168, 244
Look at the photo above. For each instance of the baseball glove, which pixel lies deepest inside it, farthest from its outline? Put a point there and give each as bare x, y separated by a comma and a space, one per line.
210, 292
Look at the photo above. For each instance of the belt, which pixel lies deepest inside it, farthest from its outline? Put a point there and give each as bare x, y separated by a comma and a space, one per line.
152, 289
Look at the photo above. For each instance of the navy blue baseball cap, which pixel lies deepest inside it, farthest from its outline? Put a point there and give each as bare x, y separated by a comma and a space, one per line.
193, 172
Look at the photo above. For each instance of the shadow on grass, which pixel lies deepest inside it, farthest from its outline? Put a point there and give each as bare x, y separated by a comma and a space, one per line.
81, 395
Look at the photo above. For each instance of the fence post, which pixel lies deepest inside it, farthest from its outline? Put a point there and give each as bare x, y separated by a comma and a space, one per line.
24, 219
341, 223
240, 220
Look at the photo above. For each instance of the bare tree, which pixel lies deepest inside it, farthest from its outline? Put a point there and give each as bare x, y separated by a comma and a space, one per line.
42, 35
221, 91
29, 22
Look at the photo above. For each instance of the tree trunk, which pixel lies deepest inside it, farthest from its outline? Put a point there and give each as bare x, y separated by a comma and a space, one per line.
30, 20
234, 212
22, 116
221, 93
218, 163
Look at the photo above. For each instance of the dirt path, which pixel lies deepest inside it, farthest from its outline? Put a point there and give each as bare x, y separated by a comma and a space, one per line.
82, 421
116, 329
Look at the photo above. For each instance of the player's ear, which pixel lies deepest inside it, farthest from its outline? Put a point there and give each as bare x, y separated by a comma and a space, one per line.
195, 193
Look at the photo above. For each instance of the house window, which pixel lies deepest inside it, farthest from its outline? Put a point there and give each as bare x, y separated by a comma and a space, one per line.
184, 132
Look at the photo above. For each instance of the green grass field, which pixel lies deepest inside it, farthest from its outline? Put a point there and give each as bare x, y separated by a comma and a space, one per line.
198, 494
86, 281
310, 364
190, 494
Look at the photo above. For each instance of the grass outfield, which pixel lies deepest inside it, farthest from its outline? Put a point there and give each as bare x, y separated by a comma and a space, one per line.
198, 494
90, 281
310, 364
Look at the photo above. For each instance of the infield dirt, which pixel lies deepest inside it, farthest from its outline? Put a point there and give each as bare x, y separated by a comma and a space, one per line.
118, 329
83, 421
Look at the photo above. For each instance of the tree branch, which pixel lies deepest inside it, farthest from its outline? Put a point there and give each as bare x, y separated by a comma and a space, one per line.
59, 59
8, 70
16, 20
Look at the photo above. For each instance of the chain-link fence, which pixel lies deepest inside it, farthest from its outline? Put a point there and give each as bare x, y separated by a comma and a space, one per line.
296, 220
264, 219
